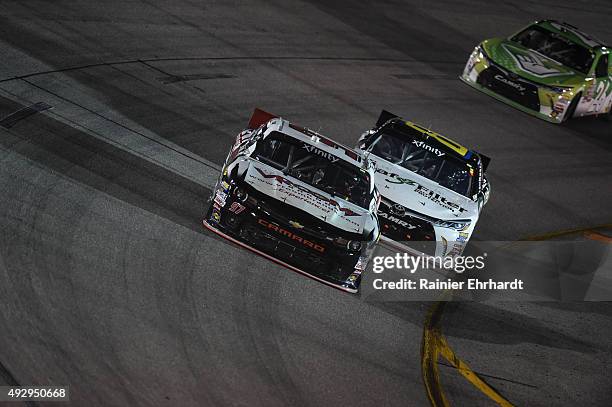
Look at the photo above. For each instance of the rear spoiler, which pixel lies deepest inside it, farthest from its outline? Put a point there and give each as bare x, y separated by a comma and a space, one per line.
259, 117
485, 161
385, 116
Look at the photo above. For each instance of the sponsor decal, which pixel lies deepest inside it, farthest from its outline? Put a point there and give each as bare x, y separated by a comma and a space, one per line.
304, 193
508, 82
290, 235
602, 96
361, 264
396, 220
560, 106
225, 186
459, 244
470, 63
350, 153
354, 277
317, 151
463, 237
216, 216
534, 63
481, 179
439, 199
220, 197
427, 147
423, 191
457, 249
459, 149
396, 178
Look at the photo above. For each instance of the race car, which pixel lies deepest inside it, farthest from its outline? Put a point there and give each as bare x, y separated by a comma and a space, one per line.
549, 69
299, 199
432, 189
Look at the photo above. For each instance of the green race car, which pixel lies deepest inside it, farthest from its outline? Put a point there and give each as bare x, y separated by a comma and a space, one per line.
549, 69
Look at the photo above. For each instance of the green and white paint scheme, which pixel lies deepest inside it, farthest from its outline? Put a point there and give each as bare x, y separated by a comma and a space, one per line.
563, 91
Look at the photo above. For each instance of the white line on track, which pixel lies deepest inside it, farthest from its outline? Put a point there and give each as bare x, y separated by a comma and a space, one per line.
111, 127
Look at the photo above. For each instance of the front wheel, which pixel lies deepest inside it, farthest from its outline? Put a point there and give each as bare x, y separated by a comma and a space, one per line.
572, 108
608, 116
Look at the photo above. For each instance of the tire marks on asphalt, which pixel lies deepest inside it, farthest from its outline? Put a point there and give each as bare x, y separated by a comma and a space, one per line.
12, 119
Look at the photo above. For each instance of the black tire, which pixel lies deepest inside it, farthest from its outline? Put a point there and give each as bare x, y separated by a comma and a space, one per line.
572, 108
608, 116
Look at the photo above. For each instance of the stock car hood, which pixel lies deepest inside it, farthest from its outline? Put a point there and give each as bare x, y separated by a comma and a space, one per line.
420, 194
332, 210
530, 64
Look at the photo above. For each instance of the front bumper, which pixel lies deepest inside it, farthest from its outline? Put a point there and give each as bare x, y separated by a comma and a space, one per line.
485, 75
259, 230
510, 102
404, 229
275, 260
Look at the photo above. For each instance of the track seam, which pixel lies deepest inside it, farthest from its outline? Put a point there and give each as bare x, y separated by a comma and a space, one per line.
255, 58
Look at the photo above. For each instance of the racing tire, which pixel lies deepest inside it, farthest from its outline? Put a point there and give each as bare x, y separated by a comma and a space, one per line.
572, 108
608, 116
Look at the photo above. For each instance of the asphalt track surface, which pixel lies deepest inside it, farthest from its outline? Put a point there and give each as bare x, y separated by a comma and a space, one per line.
109, 283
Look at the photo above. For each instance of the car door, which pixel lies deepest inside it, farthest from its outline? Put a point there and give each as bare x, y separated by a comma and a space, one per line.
602, 86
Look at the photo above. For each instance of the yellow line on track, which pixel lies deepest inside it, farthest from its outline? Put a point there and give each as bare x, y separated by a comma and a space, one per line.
566, 232
430, 352
469, 374
434, 344
598, 236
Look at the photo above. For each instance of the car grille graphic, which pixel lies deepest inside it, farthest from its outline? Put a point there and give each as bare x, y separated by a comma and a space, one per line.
508, 86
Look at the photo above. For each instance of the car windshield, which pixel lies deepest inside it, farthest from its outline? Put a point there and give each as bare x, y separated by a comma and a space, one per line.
557, 47
404, 150
315, 167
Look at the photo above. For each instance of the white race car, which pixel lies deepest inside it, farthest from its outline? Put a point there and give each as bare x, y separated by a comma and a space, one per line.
432, 189
299, 199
